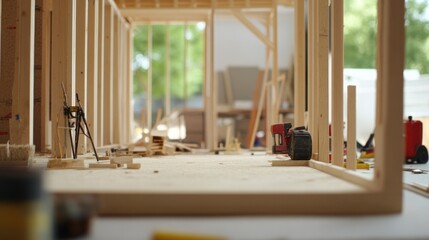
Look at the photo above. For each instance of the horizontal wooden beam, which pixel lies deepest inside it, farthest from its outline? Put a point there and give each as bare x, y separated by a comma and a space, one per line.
209, 4
165, 15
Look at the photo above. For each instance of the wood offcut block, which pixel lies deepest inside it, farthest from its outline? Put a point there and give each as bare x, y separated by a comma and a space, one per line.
66, 164
133, 165
103, 165
122, 160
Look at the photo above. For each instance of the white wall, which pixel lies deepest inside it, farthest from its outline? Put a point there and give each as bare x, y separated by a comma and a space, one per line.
235, 45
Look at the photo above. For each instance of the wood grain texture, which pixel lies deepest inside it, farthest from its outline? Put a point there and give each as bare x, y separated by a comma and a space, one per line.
82, 62
389, 128
299, 66
351, 127
323, 75
63, 71
93, 77
337, 45
21, 123
108, 75
101, 76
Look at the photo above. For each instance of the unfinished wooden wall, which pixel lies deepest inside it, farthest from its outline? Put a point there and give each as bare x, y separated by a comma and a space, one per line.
62, 42
8, 30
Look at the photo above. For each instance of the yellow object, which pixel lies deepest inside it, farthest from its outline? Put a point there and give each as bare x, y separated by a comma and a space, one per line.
360, 164
364, 154
167, 235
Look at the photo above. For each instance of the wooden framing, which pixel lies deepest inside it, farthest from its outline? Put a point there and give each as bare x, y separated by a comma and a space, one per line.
351, 128
167, 100
149, 79
380, 194
108, 74
185, 65
101, 74
81, 62
45, 125
63, 70
92, 98
314, 76
21, 123
323, 89
337, 46
129, 70
299, 58
209, 83
116, 88
8, 43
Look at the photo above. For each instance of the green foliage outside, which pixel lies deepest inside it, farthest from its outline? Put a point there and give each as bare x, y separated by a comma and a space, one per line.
195, 64
360, 25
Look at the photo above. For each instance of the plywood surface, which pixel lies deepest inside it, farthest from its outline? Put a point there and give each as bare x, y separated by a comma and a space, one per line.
199, 174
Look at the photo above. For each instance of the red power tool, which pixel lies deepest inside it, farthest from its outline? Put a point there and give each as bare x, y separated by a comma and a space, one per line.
296, 142
415, 152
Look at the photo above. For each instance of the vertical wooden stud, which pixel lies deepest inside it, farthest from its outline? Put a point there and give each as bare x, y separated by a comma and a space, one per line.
46, 76
116, 86
149, 79
185, 65
389, 127
81, 62
208, 96
92, 97
123, 106
314, 77
351, 127
63, 71
9, 30
167, 100
130, 84
214, 83
323, 45
101, 77
270, 88
21, 123
300, 58
275, 70
337, 46
108, 74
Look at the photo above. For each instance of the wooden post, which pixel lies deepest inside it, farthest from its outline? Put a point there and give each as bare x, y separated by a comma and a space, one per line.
81, 62
214, 82
116, 85
275, 71
269, 88
313, 77
208, 95
337, 46
8, 30
185, 65
101, 77
351, 127
63, 71
149, 79
92, 97
389, 124
167, 100
323, 45
130, 84
300, 58
21, 123
45, 76
108, 74
123, 82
